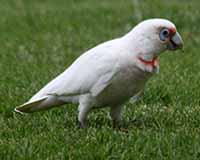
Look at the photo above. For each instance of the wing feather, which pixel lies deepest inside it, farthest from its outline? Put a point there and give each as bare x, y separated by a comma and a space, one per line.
91, 72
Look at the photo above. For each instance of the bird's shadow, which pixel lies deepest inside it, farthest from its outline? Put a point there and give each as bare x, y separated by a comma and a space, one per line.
136, 123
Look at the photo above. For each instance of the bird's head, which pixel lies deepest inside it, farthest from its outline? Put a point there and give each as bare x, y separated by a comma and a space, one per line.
153, 37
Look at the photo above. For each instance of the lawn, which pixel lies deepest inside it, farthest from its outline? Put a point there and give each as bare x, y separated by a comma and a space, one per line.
39, 39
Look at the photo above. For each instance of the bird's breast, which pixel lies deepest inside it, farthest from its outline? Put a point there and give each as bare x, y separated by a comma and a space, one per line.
125, 84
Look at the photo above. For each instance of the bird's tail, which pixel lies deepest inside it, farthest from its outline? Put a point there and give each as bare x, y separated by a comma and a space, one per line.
42, 103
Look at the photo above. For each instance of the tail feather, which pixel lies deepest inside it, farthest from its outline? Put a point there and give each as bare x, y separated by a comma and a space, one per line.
32, 106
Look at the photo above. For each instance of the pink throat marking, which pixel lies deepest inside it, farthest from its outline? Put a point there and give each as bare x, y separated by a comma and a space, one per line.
152, 63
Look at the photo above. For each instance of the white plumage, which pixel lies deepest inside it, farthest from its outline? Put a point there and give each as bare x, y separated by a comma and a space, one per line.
110, 73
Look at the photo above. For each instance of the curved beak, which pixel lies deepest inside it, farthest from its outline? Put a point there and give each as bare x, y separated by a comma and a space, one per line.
175, 42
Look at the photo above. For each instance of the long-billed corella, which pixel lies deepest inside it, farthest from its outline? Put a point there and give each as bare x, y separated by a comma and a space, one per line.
110, 73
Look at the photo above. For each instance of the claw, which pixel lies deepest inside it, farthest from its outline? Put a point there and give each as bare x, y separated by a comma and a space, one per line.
81, 125
118, 126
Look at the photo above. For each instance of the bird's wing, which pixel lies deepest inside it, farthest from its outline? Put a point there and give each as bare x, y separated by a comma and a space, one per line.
91, 72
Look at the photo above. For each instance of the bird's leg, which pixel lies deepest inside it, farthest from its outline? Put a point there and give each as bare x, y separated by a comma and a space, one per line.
83, 110
136, 97
115, 114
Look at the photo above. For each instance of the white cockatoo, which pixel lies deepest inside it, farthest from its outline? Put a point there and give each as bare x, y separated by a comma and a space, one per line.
110, 73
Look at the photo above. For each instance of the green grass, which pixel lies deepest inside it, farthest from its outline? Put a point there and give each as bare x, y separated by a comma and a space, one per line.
39, 39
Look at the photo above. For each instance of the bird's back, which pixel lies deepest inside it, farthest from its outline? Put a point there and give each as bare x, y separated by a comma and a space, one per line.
82, 75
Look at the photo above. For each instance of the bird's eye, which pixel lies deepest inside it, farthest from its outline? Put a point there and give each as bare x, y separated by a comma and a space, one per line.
164, 33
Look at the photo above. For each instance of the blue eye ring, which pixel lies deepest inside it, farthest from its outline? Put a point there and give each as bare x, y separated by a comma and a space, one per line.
164, 33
